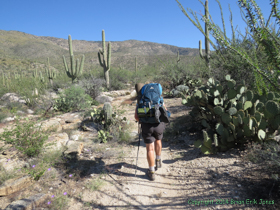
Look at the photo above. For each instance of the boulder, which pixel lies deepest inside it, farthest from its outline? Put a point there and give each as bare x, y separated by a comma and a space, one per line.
13, 185
9, 119
103, 98
90, 126
10, 161
57, 140
74, 147
29, 111
52, 124
28, 203
12, 97
133, 93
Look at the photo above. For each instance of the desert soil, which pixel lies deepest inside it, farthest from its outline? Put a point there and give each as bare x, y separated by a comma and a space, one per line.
187, 179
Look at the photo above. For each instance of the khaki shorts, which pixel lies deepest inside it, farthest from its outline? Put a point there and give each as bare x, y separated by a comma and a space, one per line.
152, 132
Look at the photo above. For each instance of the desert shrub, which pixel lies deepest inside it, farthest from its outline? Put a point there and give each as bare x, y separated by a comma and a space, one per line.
232, 63
59, 202
92, 86
26, 137
119, 78
3, 116
6, 175
174, 74
2, 91
72, 99
62, 81
13, 107
266, 154
115, 128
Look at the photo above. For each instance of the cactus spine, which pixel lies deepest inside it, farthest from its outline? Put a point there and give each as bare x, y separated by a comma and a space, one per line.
75, 69
105, 59
50, 73
206, 57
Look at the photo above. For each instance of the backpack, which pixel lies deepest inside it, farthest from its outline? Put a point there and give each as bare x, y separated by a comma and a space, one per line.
149, 102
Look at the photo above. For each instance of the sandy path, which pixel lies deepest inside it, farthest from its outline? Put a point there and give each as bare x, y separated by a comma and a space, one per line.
186, 177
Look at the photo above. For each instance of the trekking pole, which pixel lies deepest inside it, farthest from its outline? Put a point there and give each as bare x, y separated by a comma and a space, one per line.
138, 146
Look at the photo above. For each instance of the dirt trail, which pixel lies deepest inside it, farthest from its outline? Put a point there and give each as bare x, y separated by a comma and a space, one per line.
124, 190
187, 179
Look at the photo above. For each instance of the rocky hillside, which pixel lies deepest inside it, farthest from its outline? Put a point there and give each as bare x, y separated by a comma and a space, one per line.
18, 50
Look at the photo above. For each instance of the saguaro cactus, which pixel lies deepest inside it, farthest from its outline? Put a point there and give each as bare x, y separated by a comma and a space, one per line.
178, 58
3, 78
135, 64
35, 73
50, 73
75, 69
104, 58
107, 114
206, 57
42, 79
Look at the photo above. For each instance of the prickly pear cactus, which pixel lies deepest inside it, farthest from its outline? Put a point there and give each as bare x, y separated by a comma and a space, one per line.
232, 115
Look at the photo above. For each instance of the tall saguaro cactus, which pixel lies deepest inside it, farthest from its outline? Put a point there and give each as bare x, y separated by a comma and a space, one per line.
75, 68
135, 64
206, 57
104, 58
178, 57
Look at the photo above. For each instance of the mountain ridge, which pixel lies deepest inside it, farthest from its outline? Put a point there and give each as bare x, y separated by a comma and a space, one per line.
16, 45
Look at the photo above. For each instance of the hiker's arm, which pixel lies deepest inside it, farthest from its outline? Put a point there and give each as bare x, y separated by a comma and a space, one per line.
136, 115
164, 106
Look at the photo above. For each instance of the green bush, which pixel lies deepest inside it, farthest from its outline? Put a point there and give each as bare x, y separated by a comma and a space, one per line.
119, 78
26, 137
233, 65
13, 107
73, 99
3, 115
114, 128
176, 74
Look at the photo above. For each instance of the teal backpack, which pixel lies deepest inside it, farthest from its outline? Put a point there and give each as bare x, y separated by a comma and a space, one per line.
150, 101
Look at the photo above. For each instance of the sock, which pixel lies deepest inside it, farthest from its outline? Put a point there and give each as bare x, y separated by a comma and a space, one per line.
152, 168
158, 157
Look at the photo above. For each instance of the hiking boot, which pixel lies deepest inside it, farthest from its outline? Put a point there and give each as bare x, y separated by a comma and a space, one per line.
158, 164
151, 175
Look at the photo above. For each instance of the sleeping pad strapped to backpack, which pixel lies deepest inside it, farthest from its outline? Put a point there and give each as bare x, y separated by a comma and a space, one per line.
149, 102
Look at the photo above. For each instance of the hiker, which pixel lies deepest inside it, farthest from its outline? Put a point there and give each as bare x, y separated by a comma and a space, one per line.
152, 130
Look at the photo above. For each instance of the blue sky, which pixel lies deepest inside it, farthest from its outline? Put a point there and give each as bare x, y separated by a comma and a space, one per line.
159, 21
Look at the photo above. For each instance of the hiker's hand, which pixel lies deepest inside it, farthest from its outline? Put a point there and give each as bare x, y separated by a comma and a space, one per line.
136, 116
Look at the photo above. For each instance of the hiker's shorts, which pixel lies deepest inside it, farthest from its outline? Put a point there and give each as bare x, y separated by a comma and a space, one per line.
152, 132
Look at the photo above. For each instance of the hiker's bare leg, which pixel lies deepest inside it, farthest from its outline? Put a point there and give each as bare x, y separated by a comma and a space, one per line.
150, 154
158, 146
